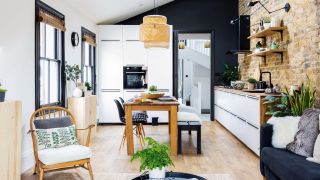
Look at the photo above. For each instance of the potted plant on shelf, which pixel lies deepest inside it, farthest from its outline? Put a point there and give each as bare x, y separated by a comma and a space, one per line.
251, 83
2, 93
266, 22
155, 157
230, 74
73, 74
89, 89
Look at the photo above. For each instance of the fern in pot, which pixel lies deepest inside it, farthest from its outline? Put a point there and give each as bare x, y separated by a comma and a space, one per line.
155, 158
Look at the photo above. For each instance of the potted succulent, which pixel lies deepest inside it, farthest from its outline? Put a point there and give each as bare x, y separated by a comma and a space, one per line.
89, 89
73, 74
251, 83
2, 93
155, 157
153, 89
266, 22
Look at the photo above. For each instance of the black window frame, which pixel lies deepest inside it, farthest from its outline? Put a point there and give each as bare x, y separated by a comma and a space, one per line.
61, 92
92, 53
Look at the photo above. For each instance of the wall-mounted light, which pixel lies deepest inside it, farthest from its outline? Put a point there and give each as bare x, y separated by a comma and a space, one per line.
253, 3
181, 44
207, 44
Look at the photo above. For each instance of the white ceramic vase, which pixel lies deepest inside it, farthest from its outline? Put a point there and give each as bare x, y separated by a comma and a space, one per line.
157, 173
266, 25
77, 92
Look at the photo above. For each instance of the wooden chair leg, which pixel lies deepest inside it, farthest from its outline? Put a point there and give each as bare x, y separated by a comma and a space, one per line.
41, 172
143, 132
139, 135
123, 140
35, 169
90, 170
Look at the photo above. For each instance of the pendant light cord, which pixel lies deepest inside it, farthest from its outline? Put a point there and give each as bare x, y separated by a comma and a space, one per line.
155, 7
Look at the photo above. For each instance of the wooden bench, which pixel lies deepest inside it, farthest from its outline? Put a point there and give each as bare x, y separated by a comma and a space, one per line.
189, 126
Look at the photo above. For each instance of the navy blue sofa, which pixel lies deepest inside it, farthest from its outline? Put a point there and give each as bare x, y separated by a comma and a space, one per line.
281, 164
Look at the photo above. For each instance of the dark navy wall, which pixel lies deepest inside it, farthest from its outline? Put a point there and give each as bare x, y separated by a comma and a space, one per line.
203, 15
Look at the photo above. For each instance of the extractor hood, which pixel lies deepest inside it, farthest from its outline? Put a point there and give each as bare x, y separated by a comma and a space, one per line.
243, 23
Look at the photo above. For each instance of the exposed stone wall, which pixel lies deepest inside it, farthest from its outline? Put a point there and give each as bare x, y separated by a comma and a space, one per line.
303, 43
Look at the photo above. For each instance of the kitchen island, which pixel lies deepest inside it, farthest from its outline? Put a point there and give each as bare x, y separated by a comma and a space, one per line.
242, 113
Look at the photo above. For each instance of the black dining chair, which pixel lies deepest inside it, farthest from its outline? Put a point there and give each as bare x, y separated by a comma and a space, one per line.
138, 119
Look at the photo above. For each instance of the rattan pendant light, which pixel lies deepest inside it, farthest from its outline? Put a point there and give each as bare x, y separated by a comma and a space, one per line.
154, 31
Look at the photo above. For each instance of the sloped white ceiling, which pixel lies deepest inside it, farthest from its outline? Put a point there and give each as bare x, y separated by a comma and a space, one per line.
113, 11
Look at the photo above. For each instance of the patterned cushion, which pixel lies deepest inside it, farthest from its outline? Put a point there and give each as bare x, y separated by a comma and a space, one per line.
139, 116
56, 137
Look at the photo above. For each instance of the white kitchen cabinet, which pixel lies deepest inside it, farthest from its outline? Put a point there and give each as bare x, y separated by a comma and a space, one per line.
240, 114
131, 32
110, 32
107, 106
134, 53
111, 65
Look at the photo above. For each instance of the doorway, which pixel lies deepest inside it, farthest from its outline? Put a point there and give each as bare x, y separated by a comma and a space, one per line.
193, 71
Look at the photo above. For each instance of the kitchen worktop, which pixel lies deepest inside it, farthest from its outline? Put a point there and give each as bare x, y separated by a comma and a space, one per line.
240, 92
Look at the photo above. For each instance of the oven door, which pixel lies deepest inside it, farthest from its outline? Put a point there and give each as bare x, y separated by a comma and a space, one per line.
133, 80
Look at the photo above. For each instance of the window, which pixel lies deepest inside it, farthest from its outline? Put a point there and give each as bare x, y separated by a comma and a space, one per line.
88, 58
50, 81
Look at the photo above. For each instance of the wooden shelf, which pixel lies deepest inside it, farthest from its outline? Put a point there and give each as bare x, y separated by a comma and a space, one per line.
265, 53
268, 32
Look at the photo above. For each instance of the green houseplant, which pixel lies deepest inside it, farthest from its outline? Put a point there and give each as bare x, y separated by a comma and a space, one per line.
2, 93
300, 100
73, 74
230, 74
153, 88
88, 86
266, 22
251, 83
155, 157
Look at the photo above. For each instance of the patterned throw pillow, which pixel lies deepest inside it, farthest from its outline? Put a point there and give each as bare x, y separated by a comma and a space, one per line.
56, 137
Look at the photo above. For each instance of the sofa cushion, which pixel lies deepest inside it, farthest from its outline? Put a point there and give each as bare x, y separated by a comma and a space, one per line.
308, 130
289, 166
64, 154
53, 123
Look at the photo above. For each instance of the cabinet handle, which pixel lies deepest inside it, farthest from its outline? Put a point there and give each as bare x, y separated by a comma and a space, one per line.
131, 40
133, 91
252, 97
163, 90
106, 40
241, 119
110, 90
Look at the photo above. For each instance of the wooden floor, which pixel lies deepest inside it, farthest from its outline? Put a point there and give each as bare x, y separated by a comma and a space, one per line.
222, 154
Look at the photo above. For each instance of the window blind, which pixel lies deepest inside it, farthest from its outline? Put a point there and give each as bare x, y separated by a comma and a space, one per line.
54, 21
89, 39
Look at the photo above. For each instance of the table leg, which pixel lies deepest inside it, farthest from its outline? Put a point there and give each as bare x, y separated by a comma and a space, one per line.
173, 129
129, 131
169, 124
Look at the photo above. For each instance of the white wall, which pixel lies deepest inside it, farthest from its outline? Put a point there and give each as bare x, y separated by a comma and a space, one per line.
202, 75
17, 58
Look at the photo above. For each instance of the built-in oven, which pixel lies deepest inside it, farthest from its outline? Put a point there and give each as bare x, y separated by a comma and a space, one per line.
134, 77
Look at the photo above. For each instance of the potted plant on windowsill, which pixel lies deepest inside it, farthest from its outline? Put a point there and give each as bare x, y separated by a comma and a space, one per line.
251, 83
155, 157
73, 74
89, 89
2, 93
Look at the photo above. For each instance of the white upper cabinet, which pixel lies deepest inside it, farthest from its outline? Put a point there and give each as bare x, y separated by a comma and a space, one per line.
111, 65
131, 32
110, 32
133, 50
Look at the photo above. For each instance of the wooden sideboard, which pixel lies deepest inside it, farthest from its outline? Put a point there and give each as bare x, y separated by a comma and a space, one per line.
84, 110
10, 140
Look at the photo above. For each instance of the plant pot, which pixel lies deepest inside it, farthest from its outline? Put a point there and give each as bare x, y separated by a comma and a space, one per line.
251, 86
77, 92
88, 93
2, 96
266, 25
157, 173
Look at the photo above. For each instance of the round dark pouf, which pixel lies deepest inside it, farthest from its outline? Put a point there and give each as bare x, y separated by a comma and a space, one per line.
173, 176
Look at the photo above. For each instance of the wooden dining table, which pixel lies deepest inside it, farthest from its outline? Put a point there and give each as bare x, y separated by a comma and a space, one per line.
154, 105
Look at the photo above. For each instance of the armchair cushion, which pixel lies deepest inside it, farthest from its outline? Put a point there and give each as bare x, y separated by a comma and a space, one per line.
64, 154
56, 137
53, 123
